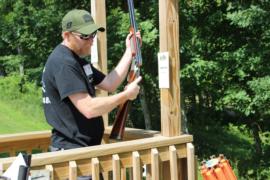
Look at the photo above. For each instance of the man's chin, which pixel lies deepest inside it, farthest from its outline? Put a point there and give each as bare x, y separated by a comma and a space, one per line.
84, 53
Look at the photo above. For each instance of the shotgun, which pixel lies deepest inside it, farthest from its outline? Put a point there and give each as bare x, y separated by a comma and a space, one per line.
118, 128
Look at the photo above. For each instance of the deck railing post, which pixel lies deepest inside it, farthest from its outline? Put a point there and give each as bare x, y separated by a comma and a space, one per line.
173, 163
95, 169
116, 167
72, 170
136, 164
190, 161
50, 169
155, 164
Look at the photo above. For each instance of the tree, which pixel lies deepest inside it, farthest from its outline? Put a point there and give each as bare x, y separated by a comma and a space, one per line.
225, 70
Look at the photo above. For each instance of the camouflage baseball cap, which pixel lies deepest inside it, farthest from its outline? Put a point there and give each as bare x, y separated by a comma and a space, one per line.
80, 21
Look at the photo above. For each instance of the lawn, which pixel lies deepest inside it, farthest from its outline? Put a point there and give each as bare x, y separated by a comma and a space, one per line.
16, 118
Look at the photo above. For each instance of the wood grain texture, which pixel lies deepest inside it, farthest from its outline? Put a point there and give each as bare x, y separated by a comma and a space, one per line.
98, 11
72, 170
116, 167
136, 163
169, 42
190, 161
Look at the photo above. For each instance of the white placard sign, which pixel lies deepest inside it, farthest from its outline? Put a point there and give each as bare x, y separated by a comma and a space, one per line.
94, 51
163, 70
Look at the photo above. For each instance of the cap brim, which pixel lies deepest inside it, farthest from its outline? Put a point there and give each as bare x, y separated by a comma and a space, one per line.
91, 28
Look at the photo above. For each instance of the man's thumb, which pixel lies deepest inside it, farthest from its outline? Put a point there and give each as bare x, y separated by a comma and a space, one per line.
137, 80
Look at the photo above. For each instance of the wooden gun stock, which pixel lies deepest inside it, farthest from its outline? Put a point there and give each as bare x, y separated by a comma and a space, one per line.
120, 121
118, 129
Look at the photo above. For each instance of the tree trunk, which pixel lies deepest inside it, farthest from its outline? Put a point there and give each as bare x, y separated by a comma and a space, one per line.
147, 119
21, 69
258, 143
21, 66
184, 127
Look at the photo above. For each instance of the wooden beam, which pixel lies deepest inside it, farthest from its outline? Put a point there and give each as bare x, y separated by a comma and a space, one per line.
98, 11
169, 42
101, 150
22, 136
130, 134
10, 143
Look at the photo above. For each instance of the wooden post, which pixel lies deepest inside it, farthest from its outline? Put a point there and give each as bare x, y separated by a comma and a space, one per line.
170, 98
72, 170
49, 167
95, 168
116, 167
173, 162
136, 164
155, 170
190, 161
169, 42
98, 11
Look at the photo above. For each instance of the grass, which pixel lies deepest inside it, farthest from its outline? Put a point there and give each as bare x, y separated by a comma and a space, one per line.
20, 106
16, 117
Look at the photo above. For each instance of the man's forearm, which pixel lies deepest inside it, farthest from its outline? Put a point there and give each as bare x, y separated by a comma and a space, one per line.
102, 105
117, 76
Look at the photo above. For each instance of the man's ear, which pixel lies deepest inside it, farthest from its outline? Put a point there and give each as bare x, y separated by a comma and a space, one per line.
65, 35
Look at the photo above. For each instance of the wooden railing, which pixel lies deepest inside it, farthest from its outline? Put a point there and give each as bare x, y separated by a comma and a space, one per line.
11, 144
112, 160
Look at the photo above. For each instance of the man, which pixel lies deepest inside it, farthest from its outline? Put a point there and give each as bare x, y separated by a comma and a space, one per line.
69, 82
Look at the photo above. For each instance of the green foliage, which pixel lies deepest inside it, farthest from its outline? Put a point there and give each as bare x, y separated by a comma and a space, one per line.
16, 87
246, 18
10, 64
200, 72
236, 99
261, 95
32, 29
225, 75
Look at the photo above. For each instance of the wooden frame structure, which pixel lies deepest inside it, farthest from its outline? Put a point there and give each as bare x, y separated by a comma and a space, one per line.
165, 155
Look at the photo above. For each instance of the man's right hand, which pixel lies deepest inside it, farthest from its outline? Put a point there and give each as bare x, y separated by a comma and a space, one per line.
133, 89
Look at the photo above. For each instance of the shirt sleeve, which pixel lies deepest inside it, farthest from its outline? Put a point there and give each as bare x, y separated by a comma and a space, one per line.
69, 80
98, 75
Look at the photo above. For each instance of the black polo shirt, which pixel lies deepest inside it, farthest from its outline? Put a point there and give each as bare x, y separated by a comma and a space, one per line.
64, 74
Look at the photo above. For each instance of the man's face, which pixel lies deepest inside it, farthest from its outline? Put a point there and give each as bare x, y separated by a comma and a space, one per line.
81, 44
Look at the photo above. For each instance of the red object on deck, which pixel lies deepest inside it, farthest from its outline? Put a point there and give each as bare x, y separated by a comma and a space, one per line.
217, 169
228, 169
210, 175
220, 174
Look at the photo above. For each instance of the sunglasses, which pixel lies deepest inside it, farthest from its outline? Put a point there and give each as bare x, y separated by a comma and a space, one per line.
84, 36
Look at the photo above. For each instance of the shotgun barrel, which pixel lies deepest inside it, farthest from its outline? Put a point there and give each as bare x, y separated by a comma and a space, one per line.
118, 128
